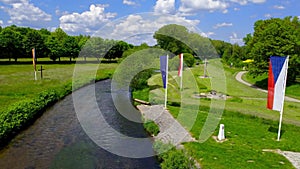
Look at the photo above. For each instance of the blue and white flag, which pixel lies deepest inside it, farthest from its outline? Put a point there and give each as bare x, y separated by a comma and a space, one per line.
164, 69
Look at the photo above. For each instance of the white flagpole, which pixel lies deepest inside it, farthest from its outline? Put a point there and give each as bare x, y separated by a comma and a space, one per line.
281, 111
166, 89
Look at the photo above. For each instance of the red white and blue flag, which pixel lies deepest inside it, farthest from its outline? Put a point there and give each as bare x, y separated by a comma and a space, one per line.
164, 69
277, 82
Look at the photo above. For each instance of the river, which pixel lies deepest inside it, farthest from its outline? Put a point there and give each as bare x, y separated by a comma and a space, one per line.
57, 140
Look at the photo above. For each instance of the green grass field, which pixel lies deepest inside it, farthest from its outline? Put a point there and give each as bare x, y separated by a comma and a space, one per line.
261, 81
249, 126
17, 81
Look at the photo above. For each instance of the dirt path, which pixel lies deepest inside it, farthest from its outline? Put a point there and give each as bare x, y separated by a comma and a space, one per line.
239, 75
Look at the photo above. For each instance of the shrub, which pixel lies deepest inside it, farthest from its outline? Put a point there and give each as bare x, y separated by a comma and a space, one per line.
188, 59
151, 127
21, 114
171, 158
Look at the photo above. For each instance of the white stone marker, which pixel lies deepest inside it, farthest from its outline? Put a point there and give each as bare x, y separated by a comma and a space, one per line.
221, 135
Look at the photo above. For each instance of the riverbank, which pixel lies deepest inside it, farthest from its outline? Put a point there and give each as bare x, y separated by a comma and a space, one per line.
24, 102
58, 139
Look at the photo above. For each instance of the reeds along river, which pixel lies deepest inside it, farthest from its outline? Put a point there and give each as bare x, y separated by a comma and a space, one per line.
57, 140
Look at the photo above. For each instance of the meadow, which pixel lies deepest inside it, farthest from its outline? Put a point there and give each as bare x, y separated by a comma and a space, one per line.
23, 99
249, 126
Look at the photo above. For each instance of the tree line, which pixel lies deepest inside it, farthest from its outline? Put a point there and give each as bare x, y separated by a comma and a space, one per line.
17, 42
275, 36
271, 37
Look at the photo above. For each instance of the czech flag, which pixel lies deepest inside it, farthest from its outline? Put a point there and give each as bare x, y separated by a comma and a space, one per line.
277, 82
164, 69
180, 65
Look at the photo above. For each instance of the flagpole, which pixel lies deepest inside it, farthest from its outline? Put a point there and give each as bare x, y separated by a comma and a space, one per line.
34, 64
181, 70
166, 89
281, 111
181, 82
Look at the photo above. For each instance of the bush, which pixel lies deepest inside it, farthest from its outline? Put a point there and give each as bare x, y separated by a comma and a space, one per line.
21, 114
188, 59
140, 81
151, 127
171, 158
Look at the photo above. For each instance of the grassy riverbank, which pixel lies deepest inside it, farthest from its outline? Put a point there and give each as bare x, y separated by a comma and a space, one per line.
23, 99
249, 126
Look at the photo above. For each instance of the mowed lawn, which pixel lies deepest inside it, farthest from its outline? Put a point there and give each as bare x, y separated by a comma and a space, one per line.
249, 126
17, 80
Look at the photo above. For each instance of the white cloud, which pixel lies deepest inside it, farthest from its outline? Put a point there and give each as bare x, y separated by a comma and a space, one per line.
278, 7
139, 28
235, 39
26, 12
22, 12
258, 1
86, 22
225, 11
188, 6
268, 15
164, 6
129, 2
1, 22
236, 9
207, 34
224, 24
245, 2
13, 1
241, 2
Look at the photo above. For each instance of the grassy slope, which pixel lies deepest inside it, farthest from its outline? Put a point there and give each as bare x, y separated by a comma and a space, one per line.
247, 134
261, 81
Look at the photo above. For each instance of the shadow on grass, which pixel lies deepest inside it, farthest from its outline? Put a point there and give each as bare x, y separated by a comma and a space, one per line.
262, 84
275, 130
153, 87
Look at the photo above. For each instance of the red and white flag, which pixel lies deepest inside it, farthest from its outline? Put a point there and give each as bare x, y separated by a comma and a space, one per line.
33, 59
180, 69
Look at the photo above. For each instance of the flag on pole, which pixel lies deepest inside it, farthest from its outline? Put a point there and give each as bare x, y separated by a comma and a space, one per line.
278, 67
33, 59
164, 75
276, 82
180, 69
164, 69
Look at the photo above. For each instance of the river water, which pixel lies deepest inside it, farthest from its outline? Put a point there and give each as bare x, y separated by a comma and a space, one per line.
57, 140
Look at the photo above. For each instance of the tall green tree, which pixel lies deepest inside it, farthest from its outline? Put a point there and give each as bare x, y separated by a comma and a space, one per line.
275, 36
11, 43
33, 39
172, 37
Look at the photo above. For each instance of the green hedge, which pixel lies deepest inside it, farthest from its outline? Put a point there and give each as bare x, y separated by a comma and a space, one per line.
22, 114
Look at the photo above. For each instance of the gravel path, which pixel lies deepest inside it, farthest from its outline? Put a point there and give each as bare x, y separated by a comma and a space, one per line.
171, 130
239, 75
293, 157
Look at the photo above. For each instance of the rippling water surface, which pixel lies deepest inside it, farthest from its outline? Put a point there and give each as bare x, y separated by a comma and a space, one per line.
57, 140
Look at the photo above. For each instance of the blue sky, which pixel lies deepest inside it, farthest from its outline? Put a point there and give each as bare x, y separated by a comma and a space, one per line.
132, 20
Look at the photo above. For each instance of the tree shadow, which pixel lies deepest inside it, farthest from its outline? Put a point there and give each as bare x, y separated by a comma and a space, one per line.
262, 84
